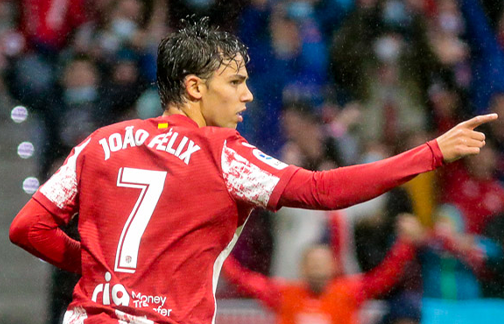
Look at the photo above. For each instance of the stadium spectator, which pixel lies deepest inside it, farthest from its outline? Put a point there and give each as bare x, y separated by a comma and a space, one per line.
494, 286
317, 148
375, 59
487, 56
472, 186
445, 30
312, 149
374, 238
11, 44
81, 110
48, 24
123, 26
292, 44
325, 294
455, 263
447, 105
122, 89
496, 134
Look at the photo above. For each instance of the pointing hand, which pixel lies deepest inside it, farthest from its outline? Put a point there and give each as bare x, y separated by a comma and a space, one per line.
462, 140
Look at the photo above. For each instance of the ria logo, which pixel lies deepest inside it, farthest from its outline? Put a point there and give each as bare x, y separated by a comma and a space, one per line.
119, 294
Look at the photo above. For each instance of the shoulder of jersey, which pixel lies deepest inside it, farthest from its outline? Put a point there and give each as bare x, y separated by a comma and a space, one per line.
219, 132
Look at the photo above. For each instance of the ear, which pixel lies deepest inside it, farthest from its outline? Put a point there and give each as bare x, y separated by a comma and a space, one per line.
193, 85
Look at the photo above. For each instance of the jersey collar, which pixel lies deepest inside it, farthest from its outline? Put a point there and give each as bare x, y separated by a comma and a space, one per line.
179, 120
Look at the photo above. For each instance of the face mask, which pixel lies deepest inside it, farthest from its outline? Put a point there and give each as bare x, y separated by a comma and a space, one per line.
450, 23
299, 10
387, 48
394, 13
123, 28
80, 95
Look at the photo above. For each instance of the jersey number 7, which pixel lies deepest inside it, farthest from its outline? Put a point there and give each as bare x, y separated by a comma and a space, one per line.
151, 184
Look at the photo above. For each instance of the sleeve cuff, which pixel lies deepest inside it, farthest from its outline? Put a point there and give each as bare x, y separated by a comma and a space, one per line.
437, 156
279, 189
62, 216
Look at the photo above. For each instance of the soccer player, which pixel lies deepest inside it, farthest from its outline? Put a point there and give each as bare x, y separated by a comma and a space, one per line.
162, 201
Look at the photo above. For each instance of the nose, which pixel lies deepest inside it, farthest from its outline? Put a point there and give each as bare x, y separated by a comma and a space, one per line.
247, 96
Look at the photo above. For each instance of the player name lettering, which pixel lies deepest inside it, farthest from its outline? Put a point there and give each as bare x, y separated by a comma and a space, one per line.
183, 148
116, 142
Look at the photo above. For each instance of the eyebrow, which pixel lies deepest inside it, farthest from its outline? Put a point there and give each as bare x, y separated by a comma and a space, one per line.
240, 76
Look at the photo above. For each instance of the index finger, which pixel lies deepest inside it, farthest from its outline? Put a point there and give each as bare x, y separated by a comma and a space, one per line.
479, 120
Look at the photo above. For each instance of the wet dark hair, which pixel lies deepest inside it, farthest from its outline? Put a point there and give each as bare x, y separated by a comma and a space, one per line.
195, 49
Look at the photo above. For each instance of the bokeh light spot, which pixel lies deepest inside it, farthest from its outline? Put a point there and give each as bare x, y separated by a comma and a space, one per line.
25, 150
19, 114
30, 185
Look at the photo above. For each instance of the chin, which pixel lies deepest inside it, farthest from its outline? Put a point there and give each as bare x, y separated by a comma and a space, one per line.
231, 125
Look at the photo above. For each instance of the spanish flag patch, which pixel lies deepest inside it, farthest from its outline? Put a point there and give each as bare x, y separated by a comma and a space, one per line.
162, 125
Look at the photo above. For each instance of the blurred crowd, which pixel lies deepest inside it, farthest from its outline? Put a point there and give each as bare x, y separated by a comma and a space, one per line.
335, 82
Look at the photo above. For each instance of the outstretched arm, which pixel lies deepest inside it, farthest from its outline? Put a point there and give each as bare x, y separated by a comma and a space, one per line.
383, 277
35, 230
343, 187
468, 253
252, 283
473, 250
462, 140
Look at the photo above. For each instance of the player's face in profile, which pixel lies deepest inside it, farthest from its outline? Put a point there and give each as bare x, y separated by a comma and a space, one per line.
226, 94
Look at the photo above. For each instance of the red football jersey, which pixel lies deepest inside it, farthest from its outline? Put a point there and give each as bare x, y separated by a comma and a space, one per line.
161, 203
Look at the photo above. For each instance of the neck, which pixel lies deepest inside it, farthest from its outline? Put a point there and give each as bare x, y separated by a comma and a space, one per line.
188, 111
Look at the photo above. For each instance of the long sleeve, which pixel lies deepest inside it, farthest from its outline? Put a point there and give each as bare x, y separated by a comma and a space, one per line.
343, 187
383, 277
253, 284
35, 230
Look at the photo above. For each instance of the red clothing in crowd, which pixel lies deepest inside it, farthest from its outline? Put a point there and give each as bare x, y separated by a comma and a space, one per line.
338, 304
478, 199
51, 21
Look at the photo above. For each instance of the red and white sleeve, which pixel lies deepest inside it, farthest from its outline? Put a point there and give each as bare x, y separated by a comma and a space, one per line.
36, 227
252, 176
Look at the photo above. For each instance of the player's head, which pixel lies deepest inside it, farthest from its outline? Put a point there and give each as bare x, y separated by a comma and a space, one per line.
318, 267
204, 67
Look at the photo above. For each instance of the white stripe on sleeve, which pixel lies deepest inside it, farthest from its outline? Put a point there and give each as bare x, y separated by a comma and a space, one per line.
246, 181
61, 188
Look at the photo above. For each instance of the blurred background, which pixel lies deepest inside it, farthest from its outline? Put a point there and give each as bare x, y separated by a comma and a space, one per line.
336, 82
